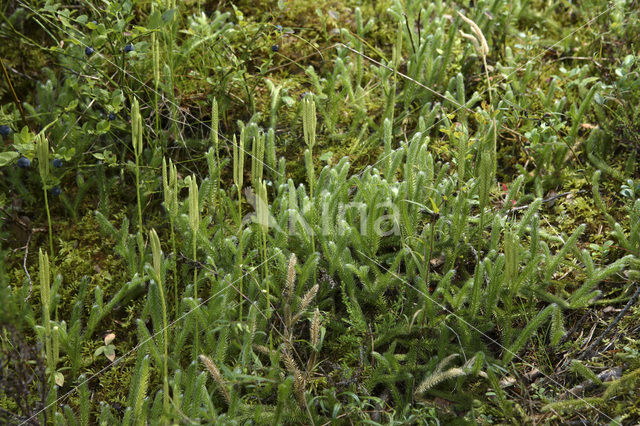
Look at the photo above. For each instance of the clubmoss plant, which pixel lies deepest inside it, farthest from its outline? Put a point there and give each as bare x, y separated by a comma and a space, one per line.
480, 44
42, 153
136, 414
136, 142
157, 275
309, 123
169, 38
238, 178
194, 224
257, 160
48, 338
217, 376
215, 141
155, 50
45, 297
262, 204
170, 189
238, 170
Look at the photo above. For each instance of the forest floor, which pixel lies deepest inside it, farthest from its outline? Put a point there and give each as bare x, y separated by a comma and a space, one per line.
329, 212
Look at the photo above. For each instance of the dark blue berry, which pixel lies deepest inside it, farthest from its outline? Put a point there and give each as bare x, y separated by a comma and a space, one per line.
55, 191
57, 163
129, 48
279, 28
5, 130
24, 162
275, 48
88, 50
111, 116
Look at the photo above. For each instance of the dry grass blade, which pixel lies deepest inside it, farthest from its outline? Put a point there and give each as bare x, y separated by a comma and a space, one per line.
262, 349
315, 328
306, 300
289, 289
472, 39
215, 373
434, 379
477, 32
299, 382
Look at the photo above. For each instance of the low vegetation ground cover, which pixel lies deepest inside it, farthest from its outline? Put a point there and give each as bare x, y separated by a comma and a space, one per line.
390, 212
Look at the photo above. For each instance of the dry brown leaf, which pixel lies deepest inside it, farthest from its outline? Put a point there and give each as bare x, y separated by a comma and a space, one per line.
109, 338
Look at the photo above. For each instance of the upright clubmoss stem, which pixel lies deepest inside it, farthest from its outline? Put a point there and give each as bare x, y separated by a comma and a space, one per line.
46, 205
262, 204
175, 268
136, 140
138, 194
170, 187
194, 222
238, 178
156, 77
309, 122
215, 141
42, 152
45, 295
171, 4
157, 271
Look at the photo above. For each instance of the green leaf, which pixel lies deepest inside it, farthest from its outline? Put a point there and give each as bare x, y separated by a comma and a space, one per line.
7, 157
110, 352
66, 153
326, 157
168, 15
102, 126
72, 105
24, 137
155, 21
117, 99
435, 208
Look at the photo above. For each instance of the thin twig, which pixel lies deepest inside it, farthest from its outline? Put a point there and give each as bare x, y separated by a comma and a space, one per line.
15, 218
406, 20
573, 329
